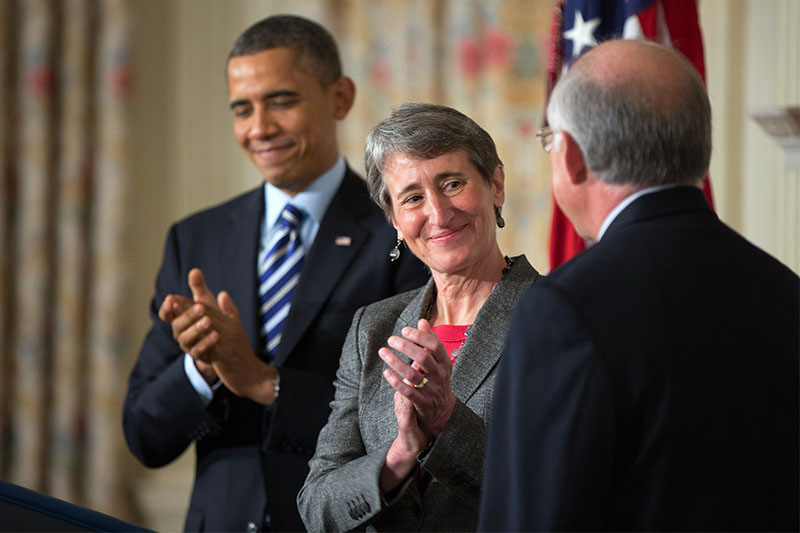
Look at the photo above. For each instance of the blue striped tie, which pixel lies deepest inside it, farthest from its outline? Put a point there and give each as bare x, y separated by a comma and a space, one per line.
278, 276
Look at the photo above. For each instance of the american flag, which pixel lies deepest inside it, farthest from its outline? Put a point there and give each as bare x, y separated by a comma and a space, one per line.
579, 25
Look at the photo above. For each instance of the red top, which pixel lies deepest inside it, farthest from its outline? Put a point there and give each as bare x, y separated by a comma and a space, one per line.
452, 337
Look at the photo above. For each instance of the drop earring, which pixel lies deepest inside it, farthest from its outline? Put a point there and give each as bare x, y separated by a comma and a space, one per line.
498, 214
394, 253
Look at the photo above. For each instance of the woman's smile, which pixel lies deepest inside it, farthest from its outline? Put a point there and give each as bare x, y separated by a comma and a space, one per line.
443, 209
447, 236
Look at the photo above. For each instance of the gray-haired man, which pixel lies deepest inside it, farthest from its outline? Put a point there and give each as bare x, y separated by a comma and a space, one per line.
651, 383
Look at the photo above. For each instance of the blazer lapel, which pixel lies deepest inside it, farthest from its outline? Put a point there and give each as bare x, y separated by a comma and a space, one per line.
485, 338
242, 278
382, 396
326, 262
417, 308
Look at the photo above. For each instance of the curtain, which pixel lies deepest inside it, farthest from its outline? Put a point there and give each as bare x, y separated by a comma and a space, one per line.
486, 58
64, 68
65, 85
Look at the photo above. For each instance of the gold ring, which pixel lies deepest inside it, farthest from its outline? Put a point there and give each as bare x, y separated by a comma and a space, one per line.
421, 385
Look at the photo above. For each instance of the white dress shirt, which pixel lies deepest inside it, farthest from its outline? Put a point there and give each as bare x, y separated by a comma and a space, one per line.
313, 201
625, 203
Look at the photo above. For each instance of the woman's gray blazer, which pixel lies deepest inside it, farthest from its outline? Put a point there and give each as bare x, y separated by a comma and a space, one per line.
341, 491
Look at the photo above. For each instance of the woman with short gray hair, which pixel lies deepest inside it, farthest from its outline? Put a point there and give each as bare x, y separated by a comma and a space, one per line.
403, 446
425, 131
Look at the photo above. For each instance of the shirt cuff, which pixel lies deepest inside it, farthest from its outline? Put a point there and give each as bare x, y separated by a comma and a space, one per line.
204, 390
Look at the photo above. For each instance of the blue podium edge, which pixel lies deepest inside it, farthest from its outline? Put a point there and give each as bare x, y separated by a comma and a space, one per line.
62, 510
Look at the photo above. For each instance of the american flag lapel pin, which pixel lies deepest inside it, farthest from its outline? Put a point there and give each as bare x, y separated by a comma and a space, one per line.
343, 240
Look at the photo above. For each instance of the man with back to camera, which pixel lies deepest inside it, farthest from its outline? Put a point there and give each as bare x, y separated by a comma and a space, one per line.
250, 381
651, 383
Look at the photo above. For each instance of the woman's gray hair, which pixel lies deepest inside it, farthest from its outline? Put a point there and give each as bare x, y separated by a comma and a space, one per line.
635, 132
425, 131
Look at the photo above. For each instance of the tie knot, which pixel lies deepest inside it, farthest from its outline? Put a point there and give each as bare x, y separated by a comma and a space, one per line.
291, 217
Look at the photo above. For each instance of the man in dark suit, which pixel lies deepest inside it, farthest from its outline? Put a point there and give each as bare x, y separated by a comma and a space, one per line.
249, 384
651, 383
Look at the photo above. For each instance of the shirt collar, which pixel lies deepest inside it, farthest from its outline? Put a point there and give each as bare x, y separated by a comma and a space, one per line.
625, 203
314, 200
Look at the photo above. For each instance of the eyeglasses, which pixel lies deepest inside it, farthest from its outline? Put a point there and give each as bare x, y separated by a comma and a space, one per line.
546, 136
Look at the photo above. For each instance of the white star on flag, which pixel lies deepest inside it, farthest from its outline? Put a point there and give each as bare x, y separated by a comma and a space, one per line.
582, 33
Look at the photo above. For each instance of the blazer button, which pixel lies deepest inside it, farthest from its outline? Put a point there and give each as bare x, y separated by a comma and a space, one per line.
252, 527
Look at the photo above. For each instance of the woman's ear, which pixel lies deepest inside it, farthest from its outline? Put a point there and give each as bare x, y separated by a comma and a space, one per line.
394, 225
499, 186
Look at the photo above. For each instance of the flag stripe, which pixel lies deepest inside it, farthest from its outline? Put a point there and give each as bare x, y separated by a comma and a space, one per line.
673, 22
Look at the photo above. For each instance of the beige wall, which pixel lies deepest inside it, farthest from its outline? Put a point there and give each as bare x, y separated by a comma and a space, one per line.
753, 62
185, 157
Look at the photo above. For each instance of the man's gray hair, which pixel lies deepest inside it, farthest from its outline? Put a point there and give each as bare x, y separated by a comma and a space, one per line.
425, 131
634, 132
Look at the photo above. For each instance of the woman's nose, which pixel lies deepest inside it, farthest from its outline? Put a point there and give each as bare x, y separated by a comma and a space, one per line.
438, 210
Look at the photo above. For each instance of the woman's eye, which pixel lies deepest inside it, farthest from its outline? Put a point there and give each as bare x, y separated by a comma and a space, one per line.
453, 185
412, 199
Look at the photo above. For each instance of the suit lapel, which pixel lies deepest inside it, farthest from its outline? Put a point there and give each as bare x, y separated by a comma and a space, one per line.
326, 262
416, 309
244, 222
485, 338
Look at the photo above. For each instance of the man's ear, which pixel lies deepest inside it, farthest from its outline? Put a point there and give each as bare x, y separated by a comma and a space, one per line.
344, 92
573, 158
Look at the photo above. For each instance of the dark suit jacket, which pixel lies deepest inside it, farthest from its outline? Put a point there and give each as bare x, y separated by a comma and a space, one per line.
235, 437
651, 383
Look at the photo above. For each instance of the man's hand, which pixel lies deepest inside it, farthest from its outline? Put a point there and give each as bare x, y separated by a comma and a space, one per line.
233, 358
175, 310
216, 335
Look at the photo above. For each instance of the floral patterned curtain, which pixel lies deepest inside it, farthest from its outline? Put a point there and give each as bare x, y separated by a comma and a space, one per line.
64, 242
486, 58
64, 72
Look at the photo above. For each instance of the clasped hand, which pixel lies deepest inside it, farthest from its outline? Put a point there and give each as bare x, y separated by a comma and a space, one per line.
423, 401
210, 330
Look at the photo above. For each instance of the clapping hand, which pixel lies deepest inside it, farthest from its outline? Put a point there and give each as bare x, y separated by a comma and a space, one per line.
426, 381
210, 330
423, 401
